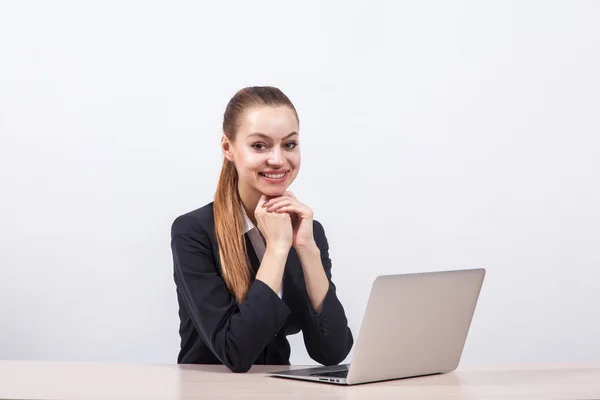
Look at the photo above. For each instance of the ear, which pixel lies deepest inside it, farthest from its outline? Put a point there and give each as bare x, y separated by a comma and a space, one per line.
226, 147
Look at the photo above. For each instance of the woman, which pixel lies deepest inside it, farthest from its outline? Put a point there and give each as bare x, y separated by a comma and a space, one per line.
253, 266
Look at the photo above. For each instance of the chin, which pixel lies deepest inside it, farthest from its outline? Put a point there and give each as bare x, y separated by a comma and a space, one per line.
273, 192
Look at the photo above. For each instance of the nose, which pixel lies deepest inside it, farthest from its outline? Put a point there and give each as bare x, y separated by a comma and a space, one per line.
276, 158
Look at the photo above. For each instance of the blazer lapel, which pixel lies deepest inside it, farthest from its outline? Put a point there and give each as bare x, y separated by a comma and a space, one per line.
292, 277
252, 257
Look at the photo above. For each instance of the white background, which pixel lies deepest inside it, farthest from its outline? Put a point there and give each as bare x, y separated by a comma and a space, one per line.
435, 135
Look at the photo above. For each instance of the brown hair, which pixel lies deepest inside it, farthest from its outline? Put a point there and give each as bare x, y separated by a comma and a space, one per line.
235, 267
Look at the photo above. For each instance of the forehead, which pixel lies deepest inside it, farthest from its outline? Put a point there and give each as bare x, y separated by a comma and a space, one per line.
272, 121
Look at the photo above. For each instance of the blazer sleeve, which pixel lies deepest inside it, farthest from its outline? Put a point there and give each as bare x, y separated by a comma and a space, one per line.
236, 334
327, 337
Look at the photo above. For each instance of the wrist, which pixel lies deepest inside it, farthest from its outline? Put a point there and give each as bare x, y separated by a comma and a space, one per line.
278, 249
310, 247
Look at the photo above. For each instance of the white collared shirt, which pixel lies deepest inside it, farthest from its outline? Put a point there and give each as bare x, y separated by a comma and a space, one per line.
257, 241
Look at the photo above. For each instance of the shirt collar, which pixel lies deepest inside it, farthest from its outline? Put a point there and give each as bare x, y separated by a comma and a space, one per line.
248, 225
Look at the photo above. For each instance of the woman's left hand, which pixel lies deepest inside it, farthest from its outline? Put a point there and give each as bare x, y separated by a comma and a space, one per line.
302, 218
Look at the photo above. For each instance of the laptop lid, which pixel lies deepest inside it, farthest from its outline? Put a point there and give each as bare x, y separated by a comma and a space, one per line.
415, 324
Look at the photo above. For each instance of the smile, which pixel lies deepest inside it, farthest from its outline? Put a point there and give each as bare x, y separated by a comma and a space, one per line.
274, 177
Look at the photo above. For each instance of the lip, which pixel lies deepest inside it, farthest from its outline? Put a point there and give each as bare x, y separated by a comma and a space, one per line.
275, 172
271, 180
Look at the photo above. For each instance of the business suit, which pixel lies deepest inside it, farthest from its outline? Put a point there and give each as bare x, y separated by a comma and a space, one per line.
214, 329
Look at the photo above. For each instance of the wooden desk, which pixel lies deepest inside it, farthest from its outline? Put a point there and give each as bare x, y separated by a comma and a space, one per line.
63, 380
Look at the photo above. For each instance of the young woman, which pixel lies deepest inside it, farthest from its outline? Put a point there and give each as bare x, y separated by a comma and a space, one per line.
253, 266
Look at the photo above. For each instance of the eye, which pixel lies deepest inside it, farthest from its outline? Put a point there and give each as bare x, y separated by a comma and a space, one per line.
291, 145
259, 146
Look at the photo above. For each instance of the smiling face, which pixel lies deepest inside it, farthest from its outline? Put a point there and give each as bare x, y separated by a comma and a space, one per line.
266, 151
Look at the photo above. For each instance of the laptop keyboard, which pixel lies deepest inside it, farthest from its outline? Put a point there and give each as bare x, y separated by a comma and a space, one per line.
335, 374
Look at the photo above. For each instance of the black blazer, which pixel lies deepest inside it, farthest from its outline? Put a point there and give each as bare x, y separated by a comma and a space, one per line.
214, 329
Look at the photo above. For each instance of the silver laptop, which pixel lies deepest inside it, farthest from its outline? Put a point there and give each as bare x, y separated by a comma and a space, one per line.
414, 325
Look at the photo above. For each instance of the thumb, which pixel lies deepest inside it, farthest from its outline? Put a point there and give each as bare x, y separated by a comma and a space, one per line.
263, 198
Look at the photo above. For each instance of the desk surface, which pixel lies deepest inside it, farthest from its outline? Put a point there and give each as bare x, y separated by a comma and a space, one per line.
70, 380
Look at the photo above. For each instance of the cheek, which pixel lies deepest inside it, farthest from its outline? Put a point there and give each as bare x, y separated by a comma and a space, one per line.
243, 158
250, 164
296, 161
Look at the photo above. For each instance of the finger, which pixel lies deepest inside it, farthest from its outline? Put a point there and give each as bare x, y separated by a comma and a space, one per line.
279, 204
290, 209
279, 200
271, 200
263, 199
301, 211
284, 195
283, 201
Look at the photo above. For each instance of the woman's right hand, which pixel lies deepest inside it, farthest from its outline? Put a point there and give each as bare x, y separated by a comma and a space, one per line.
276, 228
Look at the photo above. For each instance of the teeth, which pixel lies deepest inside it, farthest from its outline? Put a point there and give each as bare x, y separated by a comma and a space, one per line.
278, 176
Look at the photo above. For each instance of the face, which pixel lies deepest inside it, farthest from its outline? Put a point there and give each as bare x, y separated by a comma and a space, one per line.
266, 151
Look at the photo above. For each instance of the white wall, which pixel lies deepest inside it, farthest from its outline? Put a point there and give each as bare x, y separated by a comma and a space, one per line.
436, 135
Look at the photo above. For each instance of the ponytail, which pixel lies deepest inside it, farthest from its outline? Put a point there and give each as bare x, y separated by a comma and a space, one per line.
229, 225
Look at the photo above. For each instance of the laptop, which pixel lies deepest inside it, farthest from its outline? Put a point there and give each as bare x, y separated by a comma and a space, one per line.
414, 325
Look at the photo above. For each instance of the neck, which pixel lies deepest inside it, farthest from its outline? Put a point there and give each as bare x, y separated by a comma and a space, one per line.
250, 198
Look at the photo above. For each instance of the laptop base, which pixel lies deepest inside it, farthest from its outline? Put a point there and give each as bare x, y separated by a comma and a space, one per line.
334, 375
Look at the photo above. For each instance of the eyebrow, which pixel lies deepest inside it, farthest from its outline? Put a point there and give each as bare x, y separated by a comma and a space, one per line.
269, 138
